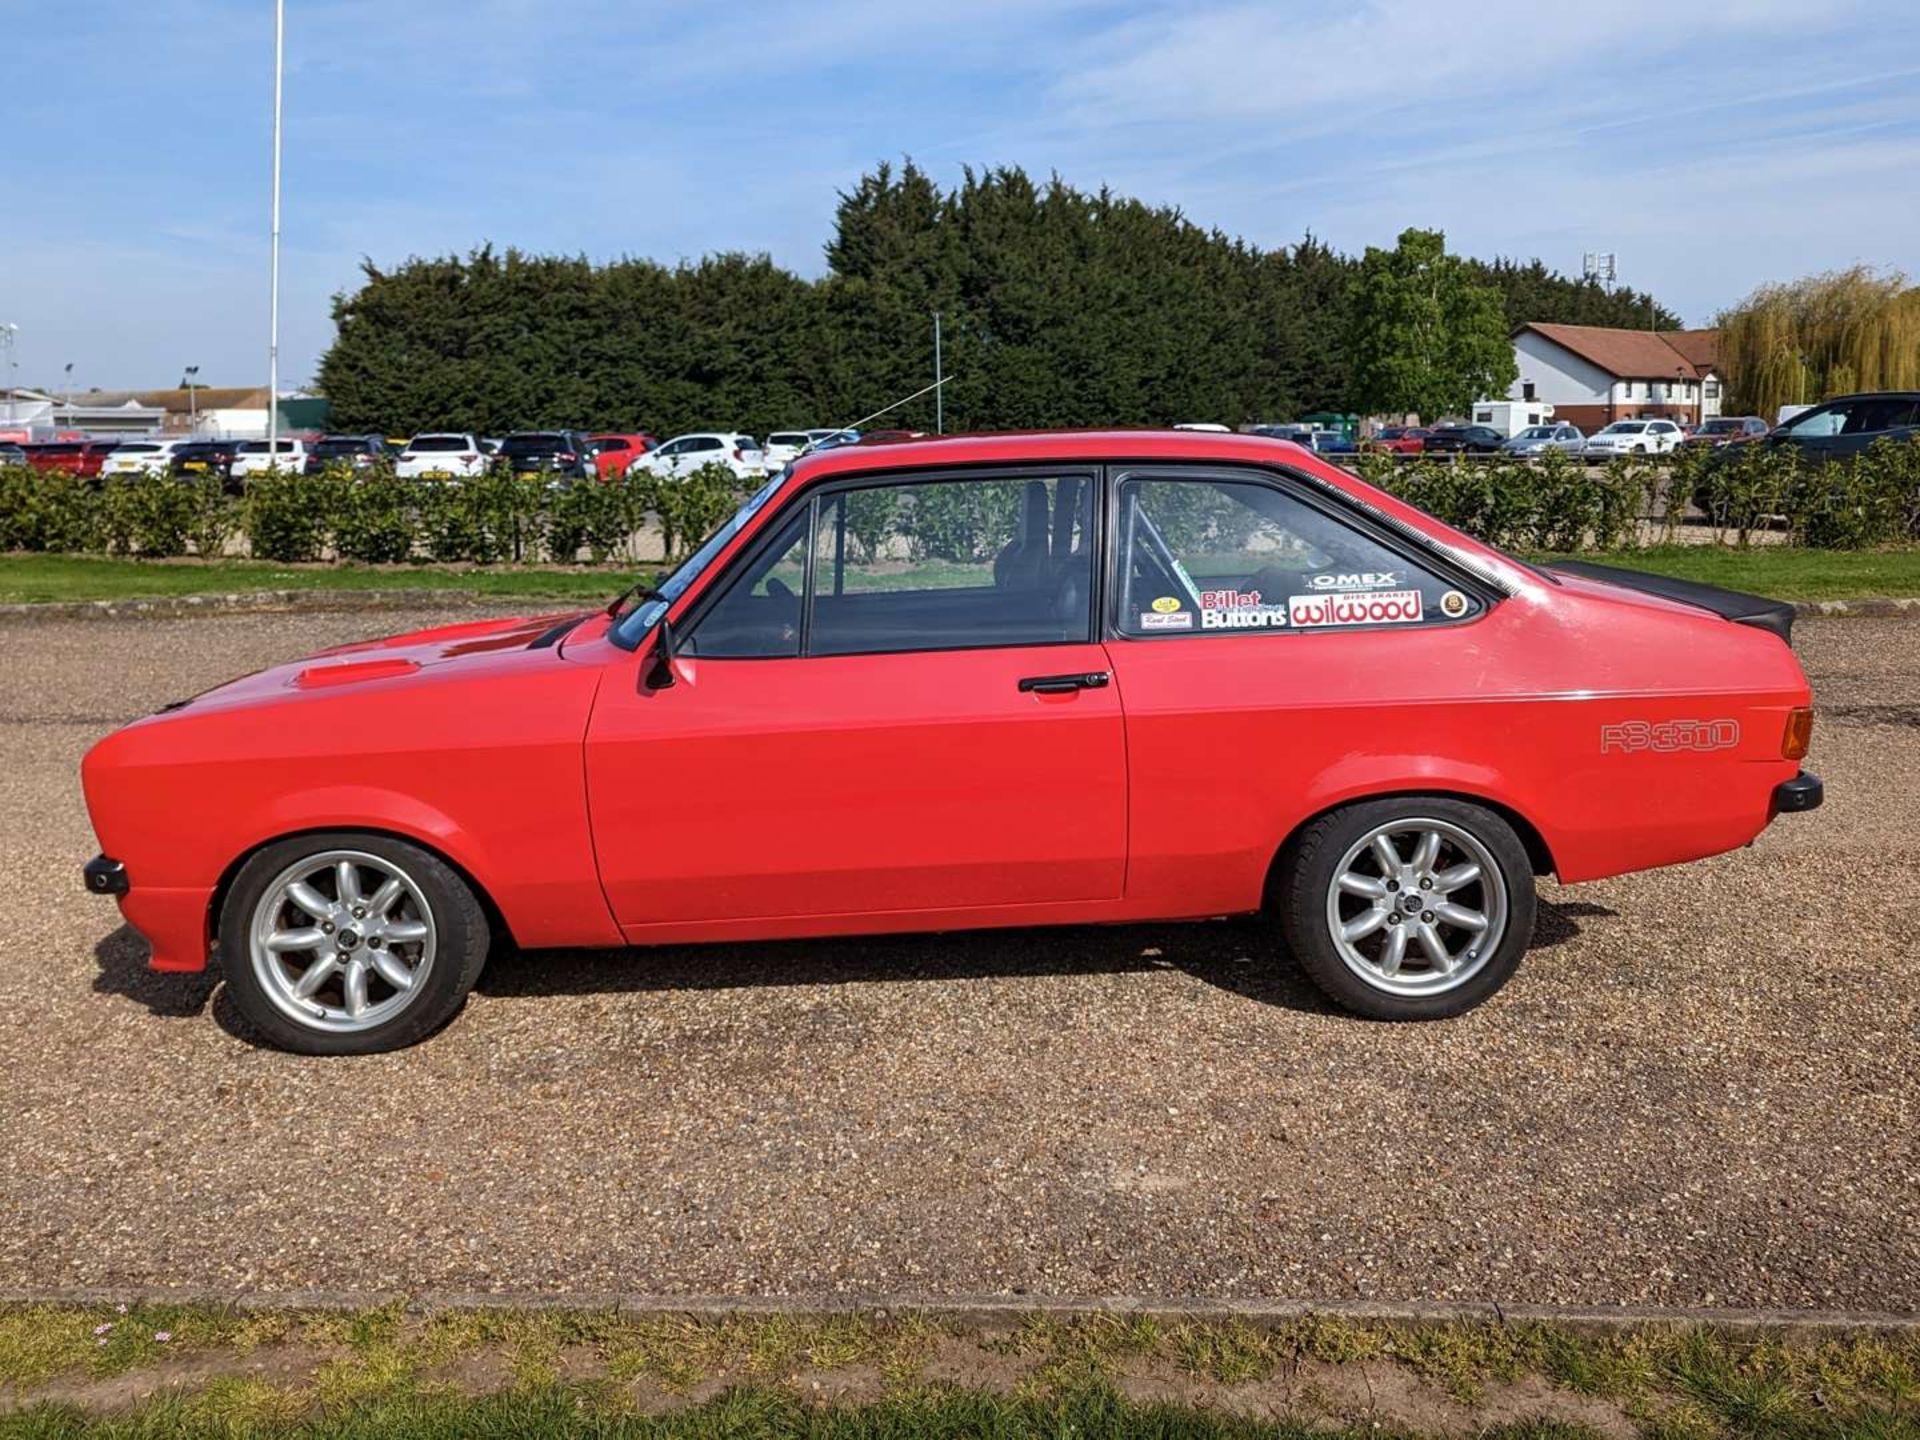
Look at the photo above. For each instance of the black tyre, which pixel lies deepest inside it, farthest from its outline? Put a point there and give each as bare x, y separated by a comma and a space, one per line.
1409, 908
343, 943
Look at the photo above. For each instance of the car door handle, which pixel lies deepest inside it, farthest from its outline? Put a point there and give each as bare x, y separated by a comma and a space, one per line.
1061, 684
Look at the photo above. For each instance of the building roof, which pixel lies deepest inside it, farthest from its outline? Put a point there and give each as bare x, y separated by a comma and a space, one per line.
172, 401
1637, 354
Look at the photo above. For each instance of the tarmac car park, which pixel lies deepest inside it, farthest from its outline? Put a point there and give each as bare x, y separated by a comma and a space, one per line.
1195, 675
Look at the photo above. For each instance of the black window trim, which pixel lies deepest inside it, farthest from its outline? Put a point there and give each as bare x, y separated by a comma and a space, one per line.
1092, 471
1327, 499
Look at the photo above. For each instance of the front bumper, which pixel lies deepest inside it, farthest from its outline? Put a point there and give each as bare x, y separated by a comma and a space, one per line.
173, 921
1803, 792
105, 876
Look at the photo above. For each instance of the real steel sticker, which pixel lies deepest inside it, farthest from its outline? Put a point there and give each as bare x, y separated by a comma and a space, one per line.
1373, 607
1166, 620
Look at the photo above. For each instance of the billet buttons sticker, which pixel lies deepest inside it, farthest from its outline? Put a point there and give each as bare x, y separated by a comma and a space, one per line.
1453, 604
1166, 605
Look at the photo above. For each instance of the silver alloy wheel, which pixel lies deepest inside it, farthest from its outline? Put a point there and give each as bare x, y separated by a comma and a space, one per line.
342, 941
1417, 907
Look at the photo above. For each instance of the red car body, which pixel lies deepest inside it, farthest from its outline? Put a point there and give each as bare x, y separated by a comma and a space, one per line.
614, 453
1398, 440
912, 791
74, 457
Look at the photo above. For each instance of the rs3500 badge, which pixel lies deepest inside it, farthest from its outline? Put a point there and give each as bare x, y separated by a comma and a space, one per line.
1666, 736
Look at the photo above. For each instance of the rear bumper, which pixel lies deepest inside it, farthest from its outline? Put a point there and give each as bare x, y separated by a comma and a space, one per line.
1803, 792
173, 921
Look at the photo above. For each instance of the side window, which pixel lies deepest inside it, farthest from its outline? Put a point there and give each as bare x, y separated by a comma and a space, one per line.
1215, 555
758, 616
1869, 417
953, 564
1817, 424
672, 447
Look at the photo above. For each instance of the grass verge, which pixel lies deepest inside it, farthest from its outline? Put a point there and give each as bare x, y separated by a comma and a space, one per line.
1776, 570
166, 1371
1786, 574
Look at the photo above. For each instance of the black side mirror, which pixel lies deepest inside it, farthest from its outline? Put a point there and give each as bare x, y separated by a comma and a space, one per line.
659, 672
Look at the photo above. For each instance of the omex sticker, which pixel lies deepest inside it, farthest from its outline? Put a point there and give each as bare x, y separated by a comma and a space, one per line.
1355, 580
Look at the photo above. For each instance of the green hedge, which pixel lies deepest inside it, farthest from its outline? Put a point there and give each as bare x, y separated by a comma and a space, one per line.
369, 516
1552, 504
1555, 503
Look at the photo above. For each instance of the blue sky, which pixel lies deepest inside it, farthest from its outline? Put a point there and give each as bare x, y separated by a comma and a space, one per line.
1713, 147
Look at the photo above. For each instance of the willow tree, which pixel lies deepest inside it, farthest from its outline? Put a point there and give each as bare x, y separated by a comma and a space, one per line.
1825, 335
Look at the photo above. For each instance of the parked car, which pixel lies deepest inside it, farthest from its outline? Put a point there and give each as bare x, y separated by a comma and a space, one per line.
684, 454
137, 457
362, 452
1397, 439
613, 454
74, 457
830, 439
442, 455
1298, 434
783, 447
551, 454
253, 459
1337, 711
203, 457
1724, 430
1632, 437
1333, 442
1463, 440
1538, 439
12, 454
1847, 426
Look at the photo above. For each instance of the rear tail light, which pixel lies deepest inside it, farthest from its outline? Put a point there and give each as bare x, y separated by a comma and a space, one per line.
738, 453
469, 458
1799, 734
568, 456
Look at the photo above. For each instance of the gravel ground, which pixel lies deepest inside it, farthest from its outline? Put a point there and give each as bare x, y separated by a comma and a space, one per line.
1698, 1091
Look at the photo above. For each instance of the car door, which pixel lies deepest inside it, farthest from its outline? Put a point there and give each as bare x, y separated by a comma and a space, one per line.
893, 706
1266, 644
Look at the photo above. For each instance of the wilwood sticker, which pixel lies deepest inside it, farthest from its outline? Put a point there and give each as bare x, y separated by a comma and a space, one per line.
1376, 607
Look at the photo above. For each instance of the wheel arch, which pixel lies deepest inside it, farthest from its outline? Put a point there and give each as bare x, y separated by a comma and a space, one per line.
496, 918
1539, 853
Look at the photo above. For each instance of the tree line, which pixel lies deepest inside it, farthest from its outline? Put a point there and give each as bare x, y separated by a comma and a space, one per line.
1059, 307
1805, 340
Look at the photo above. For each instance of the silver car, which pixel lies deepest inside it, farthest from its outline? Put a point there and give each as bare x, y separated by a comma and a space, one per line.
1537, 439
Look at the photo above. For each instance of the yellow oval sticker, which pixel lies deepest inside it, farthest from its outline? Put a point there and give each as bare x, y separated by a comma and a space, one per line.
1166, 604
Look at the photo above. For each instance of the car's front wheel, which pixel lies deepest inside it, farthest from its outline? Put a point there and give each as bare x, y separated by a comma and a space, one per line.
1410, 908
347, 943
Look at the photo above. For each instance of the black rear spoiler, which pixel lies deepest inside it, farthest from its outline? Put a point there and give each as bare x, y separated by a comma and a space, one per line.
1755, 610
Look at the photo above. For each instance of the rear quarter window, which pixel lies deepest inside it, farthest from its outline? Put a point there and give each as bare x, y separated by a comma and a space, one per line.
1217, 556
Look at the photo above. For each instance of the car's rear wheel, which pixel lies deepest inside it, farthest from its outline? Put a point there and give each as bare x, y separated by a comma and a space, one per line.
1410, 908
348, 943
